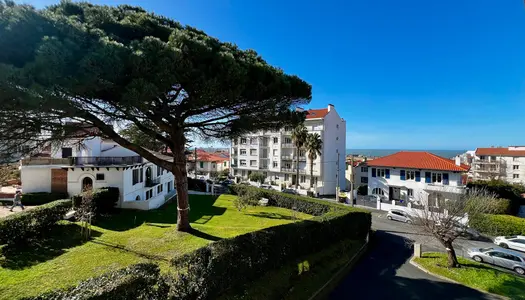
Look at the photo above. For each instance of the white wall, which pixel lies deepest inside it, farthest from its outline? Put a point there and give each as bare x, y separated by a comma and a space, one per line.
130, 191
36, 179
112, 178
334, 142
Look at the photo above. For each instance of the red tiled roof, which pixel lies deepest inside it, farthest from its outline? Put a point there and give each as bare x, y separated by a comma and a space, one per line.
206, 156
316, 113
499, 151
417, 160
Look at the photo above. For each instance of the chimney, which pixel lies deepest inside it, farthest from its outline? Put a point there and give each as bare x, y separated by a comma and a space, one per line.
330, 107
458, 160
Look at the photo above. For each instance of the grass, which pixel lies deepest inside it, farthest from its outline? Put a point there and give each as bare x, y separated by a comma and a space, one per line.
301, 278
476, 275
63, 258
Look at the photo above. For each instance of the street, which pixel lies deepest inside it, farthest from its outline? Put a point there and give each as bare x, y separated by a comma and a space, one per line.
385, 272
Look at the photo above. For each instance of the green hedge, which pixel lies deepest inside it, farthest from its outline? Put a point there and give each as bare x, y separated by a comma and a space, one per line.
42, 198
504, 190
209, 271
104, 200
134, 282
32, 223
499, 224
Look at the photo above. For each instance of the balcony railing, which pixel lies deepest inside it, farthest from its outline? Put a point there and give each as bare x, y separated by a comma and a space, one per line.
40, 161
288, 170
106, 160
287, 157
152, 182
287, 145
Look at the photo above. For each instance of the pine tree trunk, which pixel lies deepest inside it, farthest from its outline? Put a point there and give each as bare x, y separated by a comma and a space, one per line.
451, 253
181, 180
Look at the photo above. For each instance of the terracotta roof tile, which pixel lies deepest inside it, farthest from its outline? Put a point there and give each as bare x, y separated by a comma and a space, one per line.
499, 151
316, 113
206, 156
417, 160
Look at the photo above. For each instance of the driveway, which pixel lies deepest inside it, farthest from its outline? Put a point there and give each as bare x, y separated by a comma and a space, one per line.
385, 272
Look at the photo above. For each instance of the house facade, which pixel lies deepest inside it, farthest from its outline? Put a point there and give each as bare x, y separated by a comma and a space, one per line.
207, 164
273, 153
506, 164
93, 162
421, 178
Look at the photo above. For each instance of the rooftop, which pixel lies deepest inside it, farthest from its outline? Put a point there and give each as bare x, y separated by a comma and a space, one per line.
417, 160
316, 113
501, 151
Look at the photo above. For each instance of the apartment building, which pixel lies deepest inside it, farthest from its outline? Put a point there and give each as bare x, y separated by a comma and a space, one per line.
273, 153
419, 177
504, 163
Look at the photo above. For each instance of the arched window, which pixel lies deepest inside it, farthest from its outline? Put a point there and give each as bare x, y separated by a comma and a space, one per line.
378, 191
138, 198
149, 175
87, 184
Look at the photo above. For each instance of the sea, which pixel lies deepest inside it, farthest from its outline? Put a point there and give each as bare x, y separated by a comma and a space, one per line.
385, 152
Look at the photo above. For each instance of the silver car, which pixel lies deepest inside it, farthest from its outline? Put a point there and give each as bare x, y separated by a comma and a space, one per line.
399, 215
507, 259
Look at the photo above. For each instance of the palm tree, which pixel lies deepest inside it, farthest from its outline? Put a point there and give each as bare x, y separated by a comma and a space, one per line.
314, 145
299, 135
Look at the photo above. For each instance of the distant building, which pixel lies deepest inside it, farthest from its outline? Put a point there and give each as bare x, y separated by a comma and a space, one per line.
356, 174
419, 177
208, 165
506, 164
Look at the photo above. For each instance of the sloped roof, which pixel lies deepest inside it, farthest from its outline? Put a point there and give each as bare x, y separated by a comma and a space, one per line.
417, 160
499, 151
207, 156
316, 113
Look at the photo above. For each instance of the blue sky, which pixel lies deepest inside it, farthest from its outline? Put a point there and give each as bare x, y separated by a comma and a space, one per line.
404, 74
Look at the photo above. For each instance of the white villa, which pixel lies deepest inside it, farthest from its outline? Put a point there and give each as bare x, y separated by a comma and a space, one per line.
273, 153
418, 177
94, 162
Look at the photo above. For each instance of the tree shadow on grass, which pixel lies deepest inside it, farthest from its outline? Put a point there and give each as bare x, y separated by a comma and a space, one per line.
123, 248
268, 215
202, 209
204, 235
43, 248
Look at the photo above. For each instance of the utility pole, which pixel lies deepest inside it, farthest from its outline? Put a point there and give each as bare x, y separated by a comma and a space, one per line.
337, 178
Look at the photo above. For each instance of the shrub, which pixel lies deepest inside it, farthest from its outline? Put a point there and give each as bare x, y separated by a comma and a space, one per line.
499, 224
134, 282
196, 185
104, 200
31, 223
362, 190
42, 198
503, 190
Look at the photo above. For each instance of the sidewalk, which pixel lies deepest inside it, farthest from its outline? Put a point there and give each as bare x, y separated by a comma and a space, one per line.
4, 210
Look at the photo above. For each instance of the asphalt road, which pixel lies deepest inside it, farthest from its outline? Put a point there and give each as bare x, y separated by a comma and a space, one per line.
385, 272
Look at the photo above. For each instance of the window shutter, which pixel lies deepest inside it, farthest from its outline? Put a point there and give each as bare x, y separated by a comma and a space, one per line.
387, 173
418, 176
373, 172
427, 177
402, 174
445, 178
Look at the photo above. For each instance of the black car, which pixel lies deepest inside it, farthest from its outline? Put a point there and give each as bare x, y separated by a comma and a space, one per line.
289, 191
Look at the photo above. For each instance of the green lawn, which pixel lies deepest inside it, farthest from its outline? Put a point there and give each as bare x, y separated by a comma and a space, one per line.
301, 278
476, 275
130, 237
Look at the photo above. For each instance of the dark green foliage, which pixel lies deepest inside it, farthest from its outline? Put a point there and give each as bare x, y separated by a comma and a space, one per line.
257, 177
31, 223
196, 185
136, 136
134, 282
42, 198
498, 224
503, 190
209, 271
104, 200
362, 190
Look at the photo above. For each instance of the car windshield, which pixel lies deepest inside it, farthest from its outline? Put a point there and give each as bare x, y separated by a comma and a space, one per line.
511, 237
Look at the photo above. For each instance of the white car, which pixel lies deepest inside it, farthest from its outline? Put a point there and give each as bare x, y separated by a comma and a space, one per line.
515, 242
399, 215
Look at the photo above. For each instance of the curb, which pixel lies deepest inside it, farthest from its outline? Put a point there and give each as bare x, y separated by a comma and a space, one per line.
412, 262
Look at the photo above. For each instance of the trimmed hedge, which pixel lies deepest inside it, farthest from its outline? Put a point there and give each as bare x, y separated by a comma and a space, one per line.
31, 223
209, 271
134, 282
499, 224
42, 198
104, 200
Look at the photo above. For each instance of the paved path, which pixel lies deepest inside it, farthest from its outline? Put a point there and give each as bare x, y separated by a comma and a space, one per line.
4, 210
385, 272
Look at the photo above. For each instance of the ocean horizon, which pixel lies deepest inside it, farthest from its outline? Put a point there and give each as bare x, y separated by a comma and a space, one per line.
385, 152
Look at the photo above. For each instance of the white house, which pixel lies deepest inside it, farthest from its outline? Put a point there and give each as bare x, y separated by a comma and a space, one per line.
419, 177
499, 163
207, 164
273, 153
93, 162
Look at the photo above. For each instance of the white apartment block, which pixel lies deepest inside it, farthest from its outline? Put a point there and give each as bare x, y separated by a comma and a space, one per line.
418, 177
506, 164
273, 153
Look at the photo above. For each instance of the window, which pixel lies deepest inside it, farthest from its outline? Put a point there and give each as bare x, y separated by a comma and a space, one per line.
287, 128
410, 193
364, 179
243, 173
275, 140
243, 162
378, 191
287, 166
302, 179
302, 153
275, 152
410, 175
276, 177
286, 177
243, 151
385, 173
364, 169
516, 176
141, 175
213, 165
337, 126
243, 141
253, 152
225, 163
253, 141
137, 198
519, 241
67, 152
515, 167
149, 194
337, 138
100, 177
201, 164
492, 158
275, 165
159, 189
287, 140
515, 159
170, 186
437, 177
253, 163
136, 176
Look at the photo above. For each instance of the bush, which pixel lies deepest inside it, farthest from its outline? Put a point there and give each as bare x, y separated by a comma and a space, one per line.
31, 223
362, 190
42, 198
104, 200
503, 190
499, 224
134, 282
196, 185
209, 271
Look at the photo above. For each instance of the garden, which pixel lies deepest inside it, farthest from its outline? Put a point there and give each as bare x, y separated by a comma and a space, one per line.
144, 250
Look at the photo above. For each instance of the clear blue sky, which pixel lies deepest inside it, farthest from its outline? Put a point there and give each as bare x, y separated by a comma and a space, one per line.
404, 74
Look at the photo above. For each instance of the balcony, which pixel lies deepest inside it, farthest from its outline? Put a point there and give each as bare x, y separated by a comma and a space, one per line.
43, 161
290, 145
291, 170
286, 157
263, 167
445, 188
106, 161
152, 182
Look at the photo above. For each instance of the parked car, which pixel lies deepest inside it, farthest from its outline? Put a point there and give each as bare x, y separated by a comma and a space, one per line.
504, 258
399, 215
266, 186
514, 242
289, 191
